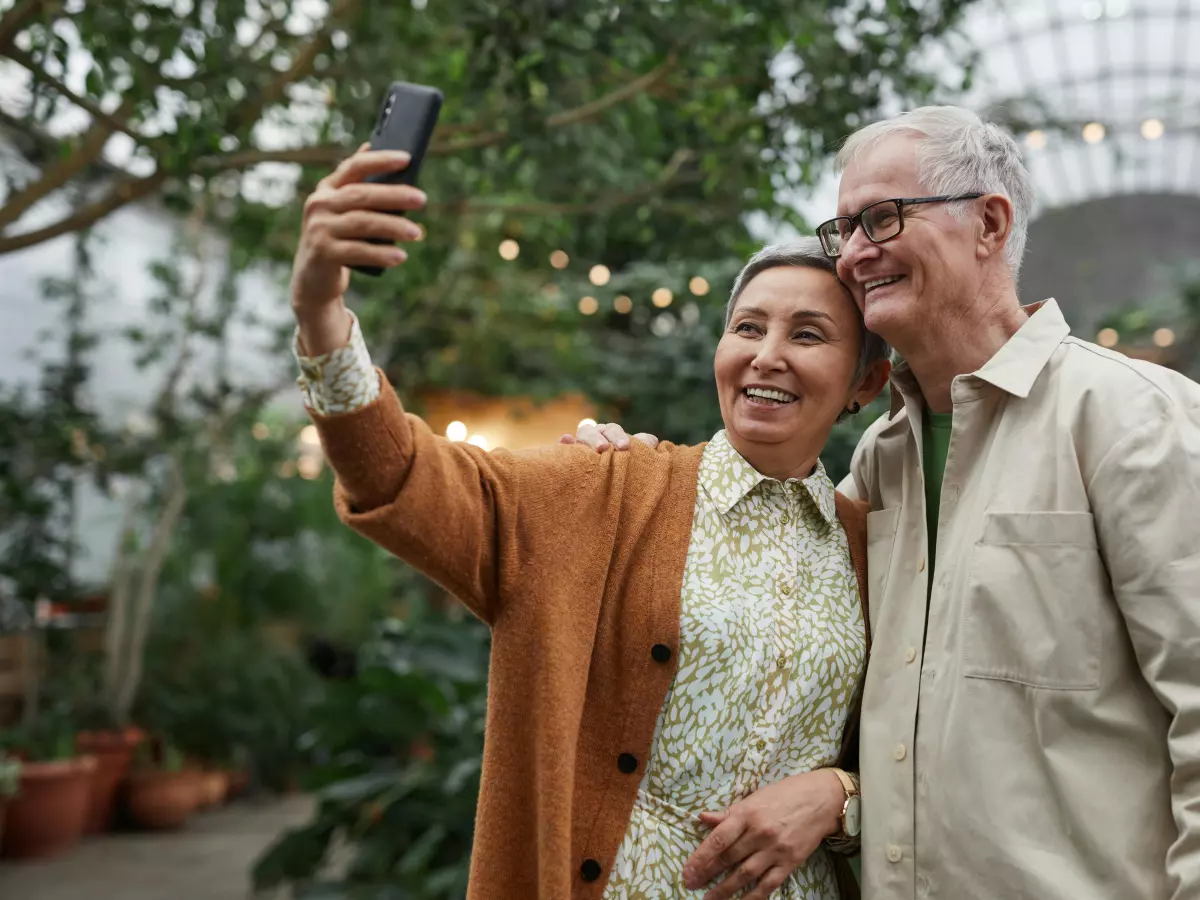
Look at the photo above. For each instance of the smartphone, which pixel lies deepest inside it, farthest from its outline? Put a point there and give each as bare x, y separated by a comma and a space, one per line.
407, 117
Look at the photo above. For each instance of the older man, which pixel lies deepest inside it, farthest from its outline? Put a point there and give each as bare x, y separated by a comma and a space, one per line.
1031, 714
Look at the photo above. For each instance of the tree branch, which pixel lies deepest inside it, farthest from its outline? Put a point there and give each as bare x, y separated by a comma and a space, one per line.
669, 175
13, 21
123, 193
588, 110
55, 176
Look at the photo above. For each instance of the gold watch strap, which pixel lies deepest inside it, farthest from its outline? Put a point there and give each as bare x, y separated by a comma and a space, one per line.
848, 783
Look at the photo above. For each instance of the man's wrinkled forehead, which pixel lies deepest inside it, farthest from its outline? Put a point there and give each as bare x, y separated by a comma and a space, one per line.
880, 172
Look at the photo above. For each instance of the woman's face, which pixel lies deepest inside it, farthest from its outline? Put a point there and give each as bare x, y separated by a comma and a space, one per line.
784, 366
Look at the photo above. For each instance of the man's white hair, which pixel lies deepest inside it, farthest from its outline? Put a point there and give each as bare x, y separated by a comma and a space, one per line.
959, 153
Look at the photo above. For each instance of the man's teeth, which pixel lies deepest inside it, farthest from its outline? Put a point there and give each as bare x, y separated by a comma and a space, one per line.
765, 394
876, 282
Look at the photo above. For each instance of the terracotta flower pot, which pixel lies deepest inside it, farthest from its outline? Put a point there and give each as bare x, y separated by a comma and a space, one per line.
239, 780
49, 812
214, 785
163, 799
114, 752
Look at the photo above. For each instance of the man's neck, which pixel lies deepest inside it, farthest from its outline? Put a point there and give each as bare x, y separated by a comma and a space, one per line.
957, 346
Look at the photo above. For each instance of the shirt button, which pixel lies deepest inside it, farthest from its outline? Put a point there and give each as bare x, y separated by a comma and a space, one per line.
590, 870
893, 854
787, 520
627, 763
900, 752
660, 653
910, 654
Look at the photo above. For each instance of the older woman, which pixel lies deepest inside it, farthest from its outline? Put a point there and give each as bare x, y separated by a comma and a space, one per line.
678, 634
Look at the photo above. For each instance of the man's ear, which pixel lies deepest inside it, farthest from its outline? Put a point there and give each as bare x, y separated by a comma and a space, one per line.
872, 382
997, 224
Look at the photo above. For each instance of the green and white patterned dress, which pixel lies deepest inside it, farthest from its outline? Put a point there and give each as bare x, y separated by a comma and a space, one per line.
772, 650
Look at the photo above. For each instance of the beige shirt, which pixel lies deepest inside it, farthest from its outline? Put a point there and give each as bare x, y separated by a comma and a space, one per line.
1033, 729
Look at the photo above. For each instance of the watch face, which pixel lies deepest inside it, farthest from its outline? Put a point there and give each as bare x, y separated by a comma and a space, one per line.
852, 816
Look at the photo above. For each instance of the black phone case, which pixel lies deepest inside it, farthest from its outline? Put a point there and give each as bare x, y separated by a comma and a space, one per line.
407, 117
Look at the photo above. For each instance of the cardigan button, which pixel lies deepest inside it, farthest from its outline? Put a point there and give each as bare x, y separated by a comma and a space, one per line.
660, 653
627, 763
590, 870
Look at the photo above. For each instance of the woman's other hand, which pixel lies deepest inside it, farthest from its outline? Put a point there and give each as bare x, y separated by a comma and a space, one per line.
761, 840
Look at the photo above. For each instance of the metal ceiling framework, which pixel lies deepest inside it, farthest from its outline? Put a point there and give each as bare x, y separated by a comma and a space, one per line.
1103, 93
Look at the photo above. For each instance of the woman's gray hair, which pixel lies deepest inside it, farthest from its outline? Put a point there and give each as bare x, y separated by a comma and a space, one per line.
960, 153
806, 253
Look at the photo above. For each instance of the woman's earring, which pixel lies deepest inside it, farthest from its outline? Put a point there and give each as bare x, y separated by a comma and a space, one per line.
854, 408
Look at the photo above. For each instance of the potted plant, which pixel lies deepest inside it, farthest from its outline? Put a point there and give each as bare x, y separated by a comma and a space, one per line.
163, 791
46, 816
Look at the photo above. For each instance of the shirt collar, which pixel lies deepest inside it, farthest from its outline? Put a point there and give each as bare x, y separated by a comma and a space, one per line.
728, 478
1015, 367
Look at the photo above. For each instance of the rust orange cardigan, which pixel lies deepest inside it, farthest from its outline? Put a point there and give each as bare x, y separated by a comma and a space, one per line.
576, 560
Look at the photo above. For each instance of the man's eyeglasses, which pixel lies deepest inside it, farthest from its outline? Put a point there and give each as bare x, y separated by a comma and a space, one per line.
880, 221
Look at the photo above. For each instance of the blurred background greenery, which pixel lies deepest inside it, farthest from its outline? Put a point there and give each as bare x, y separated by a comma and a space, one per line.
170, 565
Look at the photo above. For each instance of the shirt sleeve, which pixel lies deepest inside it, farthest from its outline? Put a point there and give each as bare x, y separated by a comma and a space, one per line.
1145, 494
341, 380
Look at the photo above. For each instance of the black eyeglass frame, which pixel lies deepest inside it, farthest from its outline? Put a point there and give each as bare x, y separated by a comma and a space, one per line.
901, 202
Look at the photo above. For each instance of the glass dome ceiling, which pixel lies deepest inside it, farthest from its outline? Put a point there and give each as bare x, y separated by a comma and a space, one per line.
1105, 94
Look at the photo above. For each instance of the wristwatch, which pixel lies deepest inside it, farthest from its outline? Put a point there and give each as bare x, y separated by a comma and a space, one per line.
852, 808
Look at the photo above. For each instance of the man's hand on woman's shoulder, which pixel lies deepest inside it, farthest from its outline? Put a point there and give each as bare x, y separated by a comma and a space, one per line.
610, 436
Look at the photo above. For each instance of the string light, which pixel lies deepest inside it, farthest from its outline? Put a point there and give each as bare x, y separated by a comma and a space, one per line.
559, 259
309, 467
1093, 132
287, 468
1164, 337
456, 431
588, 305
662, 297
623, 305
309, 436
260, 431
1108, 337
509, 249
599, 275
478, 440
1036, 140
1152, 129
698, 286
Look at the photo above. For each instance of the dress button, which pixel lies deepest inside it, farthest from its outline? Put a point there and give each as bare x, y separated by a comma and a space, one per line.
590, 870
910, 654
893, 853
900, 752
781, 662
660, 653
787, 520
761, 745
627, 763
787, 589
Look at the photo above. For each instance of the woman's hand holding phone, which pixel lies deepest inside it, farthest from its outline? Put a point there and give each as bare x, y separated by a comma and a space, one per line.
340, 217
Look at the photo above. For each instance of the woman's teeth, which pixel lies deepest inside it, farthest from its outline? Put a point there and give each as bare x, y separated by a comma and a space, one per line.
771, 396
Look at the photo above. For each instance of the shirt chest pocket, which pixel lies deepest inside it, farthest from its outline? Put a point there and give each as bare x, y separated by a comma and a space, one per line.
882, 526
1032, 614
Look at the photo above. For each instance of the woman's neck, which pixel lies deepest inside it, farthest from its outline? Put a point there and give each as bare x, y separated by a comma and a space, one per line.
778, 461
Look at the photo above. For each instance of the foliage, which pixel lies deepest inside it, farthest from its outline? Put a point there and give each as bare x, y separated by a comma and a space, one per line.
402, 743
10, 776
231, 700
48, 737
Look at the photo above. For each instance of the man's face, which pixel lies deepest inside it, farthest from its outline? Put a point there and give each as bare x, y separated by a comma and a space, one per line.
928, 272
